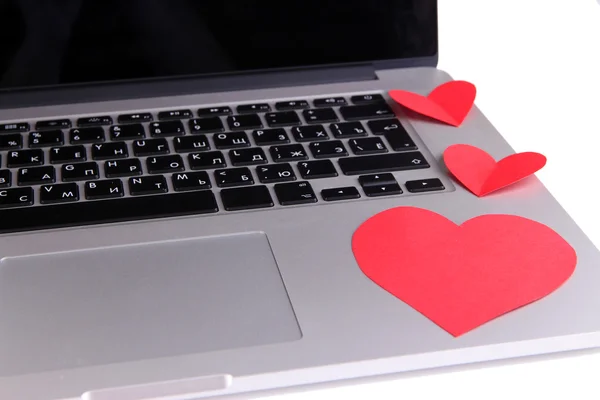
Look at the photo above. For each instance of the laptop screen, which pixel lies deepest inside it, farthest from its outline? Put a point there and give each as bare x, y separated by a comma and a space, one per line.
55, 42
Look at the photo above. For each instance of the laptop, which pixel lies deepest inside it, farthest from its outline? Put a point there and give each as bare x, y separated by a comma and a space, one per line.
180, 183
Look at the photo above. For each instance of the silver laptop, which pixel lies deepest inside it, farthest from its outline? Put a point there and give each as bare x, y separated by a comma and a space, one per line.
180, 182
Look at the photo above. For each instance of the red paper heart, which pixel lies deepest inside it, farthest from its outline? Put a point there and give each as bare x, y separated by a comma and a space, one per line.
449, 102
481, 174
462, 276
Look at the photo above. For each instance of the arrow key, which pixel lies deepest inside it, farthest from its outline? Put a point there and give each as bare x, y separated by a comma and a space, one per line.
341, 193
424, 185
377, 180
382, 190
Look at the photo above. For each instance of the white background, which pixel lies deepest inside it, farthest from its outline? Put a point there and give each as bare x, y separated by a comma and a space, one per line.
536, 64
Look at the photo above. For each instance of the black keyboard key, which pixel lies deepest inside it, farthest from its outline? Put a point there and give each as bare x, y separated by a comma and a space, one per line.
348, 130
36, 175
150, 147
104, 151
382, 163
270, 136
12, 141
328, 149
275, 173
399, 140
246, 198
14, 127
295, 193
233, 177
98, 212
249, 121
59, 155
381, 126
424, 185
59, 193
147, 185
330, 102
370, 145
126, 132
134, 118
367, 98
382, 190
95, 121
291, 105
174, 114
367, 111
53, 124
317, 169
289, 152
104, 189
17, 197
184, 181
162, 164
283, 118
310, 133
5, 178
214, 111
86, 135
121, 168
253, 108
45, 139
320, 115
206, 125
188, 144
167, 128
79, 171
231, 140
341, 193
208, 160
376, 180
24, 158
252, 156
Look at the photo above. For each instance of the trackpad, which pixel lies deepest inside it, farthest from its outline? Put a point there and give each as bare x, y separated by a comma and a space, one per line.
127, 303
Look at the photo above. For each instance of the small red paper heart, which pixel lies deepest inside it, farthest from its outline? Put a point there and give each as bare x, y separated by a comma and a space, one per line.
481, 174
449, 102
462, 276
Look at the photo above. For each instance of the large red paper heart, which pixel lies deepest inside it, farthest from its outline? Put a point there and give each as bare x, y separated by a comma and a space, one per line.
449, 102
481, 174
462, 276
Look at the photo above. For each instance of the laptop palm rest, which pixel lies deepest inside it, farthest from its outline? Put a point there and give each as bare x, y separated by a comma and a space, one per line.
127, 303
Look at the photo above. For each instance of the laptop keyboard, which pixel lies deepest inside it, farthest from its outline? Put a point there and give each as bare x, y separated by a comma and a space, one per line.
99, 169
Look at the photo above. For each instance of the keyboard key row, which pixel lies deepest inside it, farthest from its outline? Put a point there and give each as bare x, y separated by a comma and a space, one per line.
187, 114
241, 154
131, 167
392, 130
113, 208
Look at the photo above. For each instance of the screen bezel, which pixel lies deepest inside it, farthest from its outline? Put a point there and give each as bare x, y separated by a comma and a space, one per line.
202, 83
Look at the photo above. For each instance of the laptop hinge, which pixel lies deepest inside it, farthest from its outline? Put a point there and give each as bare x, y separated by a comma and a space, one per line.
185, 86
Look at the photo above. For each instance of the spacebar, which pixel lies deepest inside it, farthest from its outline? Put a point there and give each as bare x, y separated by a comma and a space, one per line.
383, 163
107, 211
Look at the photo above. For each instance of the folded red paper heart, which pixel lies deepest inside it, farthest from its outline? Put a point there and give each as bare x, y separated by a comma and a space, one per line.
481, 174
462, 276
449, 102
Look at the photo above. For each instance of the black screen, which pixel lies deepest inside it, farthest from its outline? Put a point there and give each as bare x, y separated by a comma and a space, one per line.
53, 42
